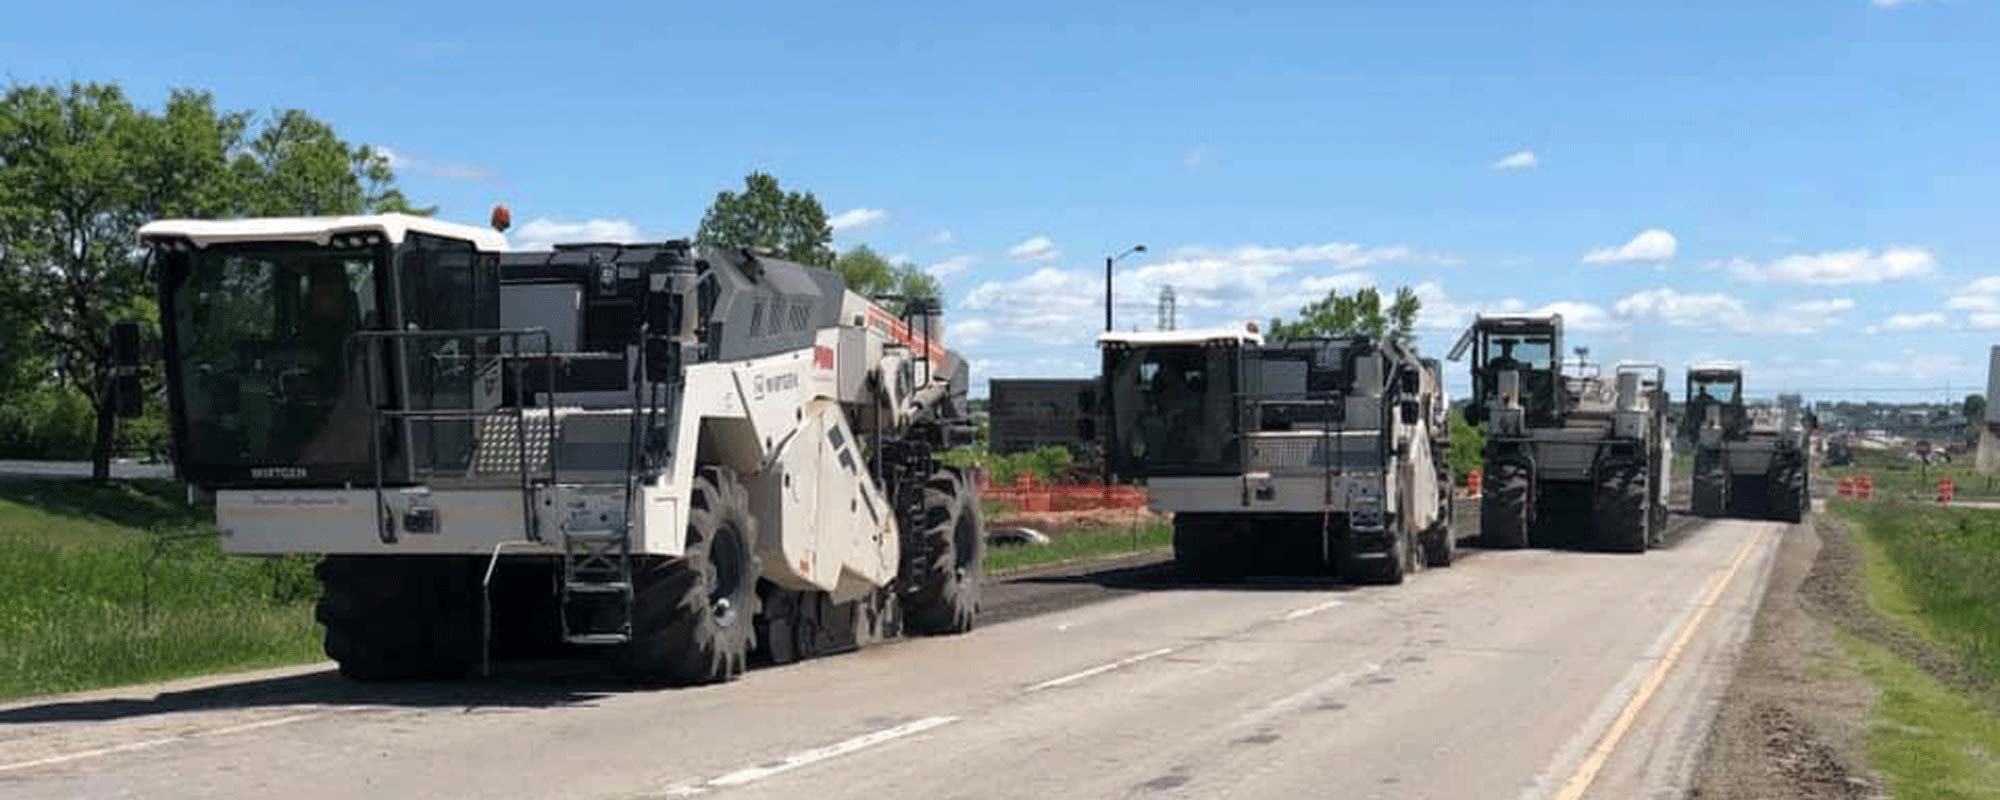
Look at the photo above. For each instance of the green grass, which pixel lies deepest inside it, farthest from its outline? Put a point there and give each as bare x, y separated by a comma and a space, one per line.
1929, 741
76, 611
1935, 571
1080, 545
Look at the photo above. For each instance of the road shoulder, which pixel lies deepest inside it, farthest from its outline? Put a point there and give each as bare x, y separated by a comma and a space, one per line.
1794, 721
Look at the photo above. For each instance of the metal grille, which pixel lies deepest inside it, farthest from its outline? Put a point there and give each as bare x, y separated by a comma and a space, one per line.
1312, 451
499, 448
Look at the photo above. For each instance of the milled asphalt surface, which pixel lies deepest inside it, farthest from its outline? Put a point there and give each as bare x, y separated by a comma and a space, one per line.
1497, 677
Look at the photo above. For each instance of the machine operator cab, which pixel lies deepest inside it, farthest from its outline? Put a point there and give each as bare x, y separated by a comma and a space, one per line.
266, 383
1172, 400
1714, 402
1516, 371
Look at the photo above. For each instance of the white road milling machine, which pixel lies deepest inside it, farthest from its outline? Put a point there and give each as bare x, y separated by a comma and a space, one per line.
1748, 462
1324, 453
1565, 445
686, 456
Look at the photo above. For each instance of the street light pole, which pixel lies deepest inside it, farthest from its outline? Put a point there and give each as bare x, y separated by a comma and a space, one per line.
1104, 376
1108, 261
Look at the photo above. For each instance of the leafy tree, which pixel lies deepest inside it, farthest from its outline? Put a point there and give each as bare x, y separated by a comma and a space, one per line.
1361, 313
766, 218
81, 168
866, 272
1975, 407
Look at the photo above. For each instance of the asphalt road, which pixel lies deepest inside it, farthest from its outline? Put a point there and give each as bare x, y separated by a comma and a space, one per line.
1531, 673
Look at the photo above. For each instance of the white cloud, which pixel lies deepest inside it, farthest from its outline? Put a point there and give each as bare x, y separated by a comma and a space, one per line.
1984, 321
402, 162
855, 219
1580, 316
1723, 312
1897, 3
969, 331
1195, 158
950, 266
540, 233
1839, 267
1652, 244
1896, 323
1047, 306
1520, 159
1037, 248
1982, 295
943, 236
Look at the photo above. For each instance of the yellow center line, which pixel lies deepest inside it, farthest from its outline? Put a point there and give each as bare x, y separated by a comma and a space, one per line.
1592, 764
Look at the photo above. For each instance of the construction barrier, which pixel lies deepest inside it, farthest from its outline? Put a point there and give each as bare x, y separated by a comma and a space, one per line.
1860, 487
1472, 480
1028, 494
1947, 489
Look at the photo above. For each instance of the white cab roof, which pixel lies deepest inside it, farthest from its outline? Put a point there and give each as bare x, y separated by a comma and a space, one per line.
1715, 366
204, 232
1232, 335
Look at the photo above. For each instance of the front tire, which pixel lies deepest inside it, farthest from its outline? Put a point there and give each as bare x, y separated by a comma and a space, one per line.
1622, 518
941, 568
1505, 507
1711, 487
692, 616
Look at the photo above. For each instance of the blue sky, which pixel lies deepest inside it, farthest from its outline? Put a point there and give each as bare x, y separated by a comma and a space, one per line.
1807, 187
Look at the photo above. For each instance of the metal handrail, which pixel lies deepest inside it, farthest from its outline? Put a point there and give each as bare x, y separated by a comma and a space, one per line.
385, 525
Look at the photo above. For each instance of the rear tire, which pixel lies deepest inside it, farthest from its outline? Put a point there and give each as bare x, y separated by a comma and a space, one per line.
941, 572
1788, 494
692, 616
1505, 506
1389, 571
1620, 512
398, 617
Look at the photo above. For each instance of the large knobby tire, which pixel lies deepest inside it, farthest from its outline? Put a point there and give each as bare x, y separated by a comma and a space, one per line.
941, 572
1711, 487
1619, 509
1399, 562
398, 617
1505, 506
1440, 544
692, 616
1788, 494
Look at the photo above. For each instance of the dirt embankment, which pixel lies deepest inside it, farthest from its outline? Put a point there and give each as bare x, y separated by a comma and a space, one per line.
1794, 721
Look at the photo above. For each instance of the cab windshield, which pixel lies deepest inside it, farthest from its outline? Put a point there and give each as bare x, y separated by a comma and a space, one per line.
259, 337
1721, 389
1173, 410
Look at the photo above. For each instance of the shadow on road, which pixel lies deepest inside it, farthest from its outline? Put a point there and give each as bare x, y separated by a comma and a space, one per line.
529, 685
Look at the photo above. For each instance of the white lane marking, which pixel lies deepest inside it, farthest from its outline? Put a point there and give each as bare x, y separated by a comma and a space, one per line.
152, 743
1302, 613
809, 757
1097, 670
1065, 626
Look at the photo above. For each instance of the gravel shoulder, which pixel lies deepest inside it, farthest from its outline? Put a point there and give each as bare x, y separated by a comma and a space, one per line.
1793, 723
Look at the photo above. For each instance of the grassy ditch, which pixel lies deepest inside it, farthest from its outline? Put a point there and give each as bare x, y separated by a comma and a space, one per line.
1932, 574
1083, 544
103, 585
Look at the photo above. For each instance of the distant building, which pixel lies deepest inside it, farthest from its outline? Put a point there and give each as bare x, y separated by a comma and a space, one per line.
1030, 413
